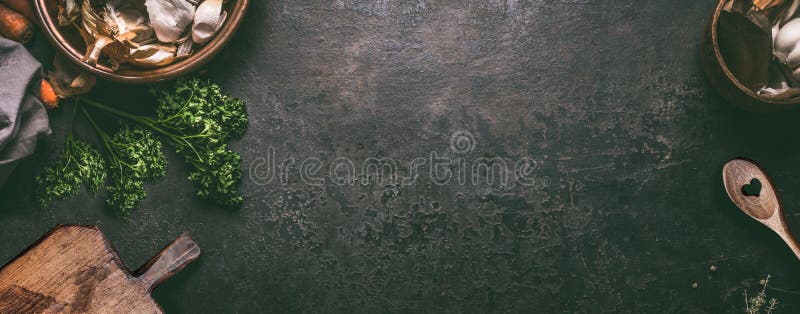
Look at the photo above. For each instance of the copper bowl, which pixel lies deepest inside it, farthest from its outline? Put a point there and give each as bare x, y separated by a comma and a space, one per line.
69, 43
734, 78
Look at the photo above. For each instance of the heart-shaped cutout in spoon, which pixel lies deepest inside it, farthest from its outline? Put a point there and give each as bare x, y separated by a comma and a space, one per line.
752, 191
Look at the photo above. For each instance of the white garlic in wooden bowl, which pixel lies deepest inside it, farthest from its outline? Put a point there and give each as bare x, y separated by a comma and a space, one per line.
786, 44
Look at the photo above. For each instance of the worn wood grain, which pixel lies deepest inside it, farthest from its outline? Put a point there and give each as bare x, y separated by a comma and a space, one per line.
74, 269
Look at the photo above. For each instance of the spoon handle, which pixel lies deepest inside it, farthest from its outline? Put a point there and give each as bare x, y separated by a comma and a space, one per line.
791, 242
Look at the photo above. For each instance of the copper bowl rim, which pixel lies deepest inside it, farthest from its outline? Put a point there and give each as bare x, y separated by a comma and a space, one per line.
143, 75
727, 71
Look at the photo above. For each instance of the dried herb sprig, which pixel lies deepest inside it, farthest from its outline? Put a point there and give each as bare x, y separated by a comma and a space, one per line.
755, 304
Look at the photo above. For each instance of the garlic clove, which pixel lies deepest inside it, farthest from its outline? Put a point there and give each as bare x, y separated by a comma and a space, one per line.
207, 21
161, 56
146, 51
786, 39
169, 18
792, 60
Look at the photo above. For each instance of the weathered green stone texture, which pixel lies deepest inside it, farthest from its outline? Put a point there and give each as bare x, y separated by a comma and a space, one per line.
606, 98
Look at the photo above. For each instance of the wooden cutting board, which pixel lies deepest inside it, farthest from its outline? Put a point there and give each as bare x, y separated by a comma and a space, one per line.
74, 269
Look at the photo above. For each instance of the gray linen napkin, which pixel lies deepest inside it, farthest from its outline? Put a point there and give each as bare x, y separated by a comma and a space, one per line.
23, 118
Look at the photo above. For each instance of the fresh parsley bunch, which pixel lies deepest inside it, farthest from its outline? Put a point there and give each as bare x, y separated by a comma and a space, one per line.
198, 119
79, 164
134, 156
195, 117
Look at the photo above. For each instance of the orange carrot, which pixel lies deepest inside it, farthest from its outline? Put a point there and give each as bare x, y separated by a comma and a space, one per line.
14, 26
25, 7
47, 95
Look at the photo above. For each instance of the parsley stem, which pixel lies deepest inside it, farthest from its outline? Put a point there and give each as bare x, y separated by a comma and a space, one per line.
97, 128
72, 118
105, 138
142, 120
111, 109
68, 142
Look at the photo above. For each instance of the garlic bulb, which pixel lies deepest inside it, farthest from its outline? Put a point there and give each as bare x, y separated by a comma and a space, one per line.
207, 21
68, 79
786, 44
169, 18
129, 22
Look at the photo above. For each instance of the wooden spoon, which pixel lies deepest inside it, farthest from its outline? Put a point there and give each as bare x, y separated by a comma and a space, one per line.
740, 176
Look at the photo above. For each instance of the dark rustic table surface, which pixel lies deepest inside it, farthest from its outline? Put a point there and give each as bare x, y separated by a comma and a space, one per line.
605, 99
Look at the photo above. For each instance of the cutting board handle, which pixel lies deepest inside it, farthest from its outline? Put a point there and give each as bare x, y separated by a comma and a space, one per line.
169, 261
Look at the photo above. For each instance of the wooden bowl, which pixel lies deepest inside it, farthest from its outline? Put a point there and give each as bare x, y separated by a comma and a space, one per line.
69, 43
731, 77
